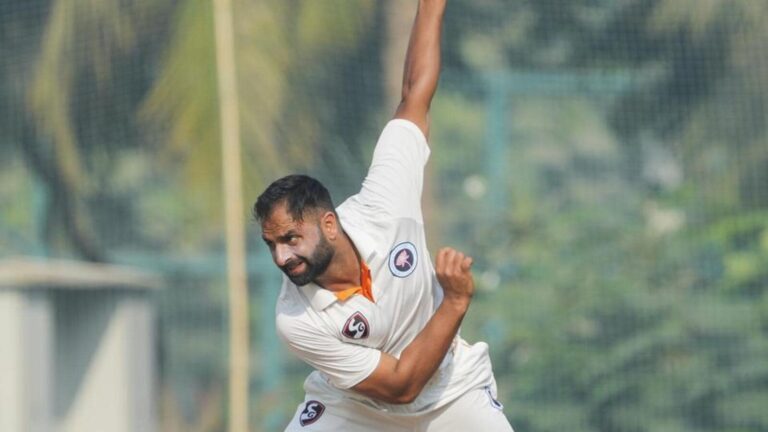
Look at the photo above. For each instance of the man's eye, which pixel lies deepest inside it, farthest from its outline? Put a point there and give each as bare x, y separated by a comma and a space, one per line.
293, 239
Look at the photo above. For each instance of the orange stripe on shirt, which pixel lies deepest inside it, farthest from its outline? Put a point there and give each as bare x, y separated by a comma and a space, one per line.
364, 288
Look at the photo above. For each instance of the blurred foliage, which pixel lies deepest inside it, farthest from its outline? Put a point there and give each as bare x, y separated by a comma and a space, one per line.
277, 129
622, 251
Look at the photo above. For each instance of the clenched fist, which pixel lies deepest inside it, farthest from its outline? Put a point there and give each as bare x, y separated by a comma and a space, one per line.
454, 272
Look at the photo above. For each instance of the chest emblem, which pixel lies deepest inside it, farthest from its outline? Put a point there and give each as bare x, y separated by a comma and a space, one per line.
312, 412
356, 327
403, 259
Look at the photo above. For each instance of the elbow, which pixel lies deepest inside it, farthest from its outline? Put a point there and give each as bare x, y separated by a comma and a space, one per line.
417, 93
411, 89
393, 382
404, 396
406, 399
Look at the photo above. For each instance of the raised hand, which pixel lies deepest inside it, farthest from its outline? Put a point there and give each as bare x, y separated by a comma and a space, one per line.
454, 272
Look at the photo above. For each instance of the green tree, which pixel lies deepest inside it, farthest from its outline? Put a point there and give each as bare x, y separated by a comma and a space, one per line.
70, 57
635, 296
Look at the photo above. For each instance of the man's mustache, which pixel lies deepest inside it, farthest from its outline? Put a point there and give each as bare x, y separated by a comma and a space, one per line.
290, 265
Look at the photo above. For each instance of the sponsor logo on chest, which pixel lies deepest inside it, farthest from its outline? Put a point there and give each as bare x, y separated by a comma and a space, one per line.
356, 327
403, 259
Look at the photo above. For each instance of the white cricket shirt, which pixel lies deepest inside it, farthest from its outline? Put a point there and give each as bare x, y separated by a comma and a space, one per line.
343, 340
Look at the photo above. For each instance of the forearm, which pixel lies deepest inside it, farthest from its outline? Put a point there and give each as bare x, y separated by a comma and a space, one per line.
422, 62
419, 361
401, 380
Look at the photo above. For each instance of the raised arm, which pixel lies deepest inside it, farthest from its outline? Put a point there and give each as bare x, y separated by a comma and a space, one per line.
422, 64
400, 381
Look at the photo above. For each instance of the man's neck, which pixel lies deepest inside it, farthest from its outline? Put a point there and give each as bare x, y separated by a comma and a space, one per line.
344, 269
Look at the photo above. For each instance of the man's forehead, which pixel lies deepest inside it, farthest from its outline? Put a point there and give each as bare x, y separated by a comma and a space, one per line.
279, 213
280, 220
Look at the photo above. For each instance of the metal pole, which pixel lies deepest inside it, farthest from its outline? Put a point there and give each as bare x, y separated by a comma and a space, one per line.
234, 217
270, 349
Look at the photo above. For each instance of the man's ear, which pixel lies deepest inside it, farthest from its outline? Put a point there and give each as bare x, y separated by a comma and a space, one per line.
330, 225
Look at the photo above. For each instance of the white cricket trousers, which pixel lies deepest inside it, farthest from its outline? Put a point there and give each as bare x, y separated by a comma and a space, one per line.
477, 410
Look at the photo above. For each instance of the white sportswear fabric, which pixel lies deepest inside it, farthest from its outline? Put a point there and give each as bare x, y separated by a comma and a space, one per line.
384, 221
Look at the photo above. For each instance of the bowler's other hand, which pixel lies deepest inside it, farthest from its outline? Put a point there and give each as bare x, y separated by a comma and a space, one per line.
454, 272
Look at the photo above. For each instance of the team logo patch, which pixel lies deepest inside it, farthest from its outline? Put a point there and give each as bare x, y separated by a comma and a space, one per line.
403, 259
356, 327
312, 412
494, 403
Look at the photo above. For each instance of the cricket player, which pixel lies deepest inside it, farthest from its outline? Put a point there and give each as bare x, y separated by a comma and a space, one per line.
361, 301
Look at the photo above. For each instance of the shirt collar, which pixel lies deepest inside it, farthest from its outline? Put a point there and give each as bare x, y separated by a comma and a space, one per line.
319, 297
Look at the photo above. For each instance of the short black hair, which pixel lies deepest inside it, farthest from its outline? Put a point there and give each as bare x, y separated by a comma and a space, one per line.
300, 193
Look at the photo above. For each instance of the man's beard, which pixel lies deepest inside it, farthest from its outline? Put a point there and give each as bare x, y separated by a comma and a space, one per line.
316, 264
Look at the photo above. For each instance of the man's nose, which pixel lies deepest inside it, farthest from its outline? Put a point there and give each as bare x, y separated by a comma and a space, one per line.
281, 255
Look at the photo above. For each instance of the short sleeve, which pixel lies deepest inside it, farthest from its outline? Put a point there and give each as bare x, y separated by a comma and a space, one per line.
396, 177
345, 364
